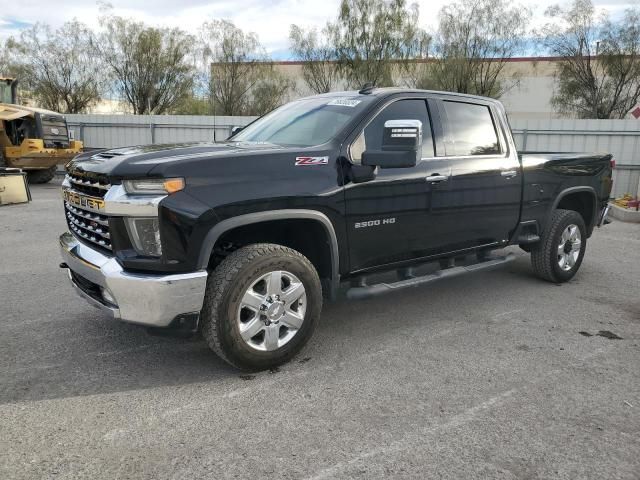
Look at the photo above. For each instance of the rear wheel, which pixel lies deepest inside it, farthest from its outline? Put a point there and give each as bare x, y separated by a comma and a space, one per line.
41, 176
558, 256
261, 306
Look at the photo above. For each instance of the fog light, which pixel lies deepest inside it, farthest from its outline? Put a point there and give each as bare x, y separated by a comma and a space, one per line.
108, 296
145, 235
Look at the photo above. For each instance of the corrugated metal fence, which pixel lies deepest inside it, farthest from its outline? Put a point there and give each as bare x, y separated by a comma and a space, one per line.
619, 137
108, 131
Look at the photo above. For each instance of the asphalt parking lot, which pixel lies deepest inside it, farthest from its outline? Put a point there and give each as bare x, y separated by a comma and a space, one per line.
483, 376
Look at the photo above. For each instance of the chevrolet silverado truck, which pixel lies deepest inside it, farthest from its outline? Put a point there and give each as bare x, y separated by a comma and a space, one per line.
343, 194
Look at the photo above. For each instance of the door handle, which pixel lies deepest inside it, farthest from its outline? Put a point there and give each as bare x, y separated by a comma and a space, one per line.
509, 173
436, 178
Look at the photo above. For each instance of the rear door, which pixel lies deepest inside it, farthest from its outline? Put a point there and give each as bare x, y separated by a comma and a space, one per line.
479, 203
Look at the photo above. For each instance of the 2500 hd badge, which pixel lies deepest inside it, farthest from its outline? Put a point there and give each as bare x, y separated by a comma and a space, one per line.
375, 223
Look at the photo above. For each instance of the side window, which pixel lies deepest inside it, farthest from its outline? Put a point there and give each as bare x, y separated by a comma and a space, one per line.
410, 109
472, 130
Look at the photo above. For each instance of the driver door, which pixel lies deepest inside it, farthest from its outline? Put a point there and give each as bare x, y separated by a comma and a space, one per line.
387, 216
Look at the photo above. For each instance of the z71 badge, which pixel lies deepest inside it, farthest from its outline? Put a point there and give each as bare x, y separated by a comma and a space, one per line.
303, 161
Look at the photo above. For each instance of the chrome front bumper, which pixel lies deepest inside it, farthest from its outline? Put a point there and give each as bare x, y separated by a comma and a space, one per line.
152, 300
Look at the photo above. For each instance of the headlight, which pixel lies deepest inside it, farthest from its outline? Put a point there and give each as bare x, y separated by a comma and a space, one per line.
153, 186
145, 235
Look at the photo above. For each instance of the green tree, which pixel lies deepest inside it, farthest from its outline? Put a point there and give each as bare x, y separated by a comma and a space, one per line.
241, 78
192, 105
375, 38
57, 66
474, 41
599, 74
318, 56
270, 92
7, 66
153, 69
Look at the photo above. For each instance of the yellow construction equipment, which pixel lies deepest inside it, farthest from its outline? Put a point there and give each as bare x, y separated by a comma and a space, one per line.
32, 139
624, 200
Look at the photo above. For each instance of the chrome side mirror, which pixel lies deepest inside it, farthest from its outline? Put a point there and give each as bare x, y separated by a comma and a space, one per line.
401, 145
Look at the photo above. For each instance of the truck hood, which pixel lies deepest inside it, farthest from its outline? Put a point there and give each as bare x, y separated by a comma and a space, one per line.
140, 161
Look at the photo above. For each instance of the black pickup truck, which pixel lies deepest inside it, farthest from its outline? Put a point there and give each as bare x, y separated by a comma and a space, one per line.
352, 193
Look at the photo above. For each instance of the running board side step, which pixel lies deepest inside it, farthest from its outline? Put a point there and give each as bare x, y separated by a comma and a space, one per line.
366, 291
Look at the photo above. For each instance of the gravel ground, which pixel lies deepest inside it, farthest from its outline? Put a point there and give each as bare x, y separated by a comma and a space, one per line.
484, 376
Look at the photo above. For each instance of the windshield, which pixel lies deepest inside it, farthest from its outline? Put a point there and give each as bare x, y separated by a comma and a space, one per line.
303, 123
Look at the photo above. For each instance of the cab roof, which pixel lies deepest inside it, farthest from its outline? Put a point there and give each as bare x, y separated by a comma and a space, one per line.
387, 91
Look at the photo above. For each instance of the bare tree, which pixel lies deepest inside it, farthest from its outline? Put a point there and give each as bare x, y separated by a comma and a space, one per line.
374, 37
270, 92
152, 67
242, 78
599, 74
238, 64
474, 41
6, 65
318, 56
58, 68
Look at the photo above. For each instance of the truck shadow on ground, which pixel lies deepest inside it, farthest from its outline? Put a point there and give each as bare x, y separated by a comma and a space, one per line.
102, 356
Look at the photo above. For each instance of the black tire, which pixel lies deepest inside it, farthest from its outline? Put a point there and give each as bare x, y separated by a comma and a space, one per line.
41, 176
545, 257
225, 288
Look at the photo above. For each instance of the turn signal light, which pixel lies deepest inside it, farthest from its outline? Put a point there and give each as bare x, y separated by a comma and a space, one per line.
173, 185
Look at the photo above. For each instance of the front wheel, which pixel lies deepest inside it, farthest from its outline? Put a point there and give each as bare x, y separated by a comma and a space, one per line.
558, 255
262, 305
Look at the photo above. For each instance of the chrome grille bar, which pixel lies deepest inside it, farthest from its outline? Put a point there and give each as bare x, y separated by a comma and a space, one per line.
81, 224
94, 217
86, 236
88, 186
89, 226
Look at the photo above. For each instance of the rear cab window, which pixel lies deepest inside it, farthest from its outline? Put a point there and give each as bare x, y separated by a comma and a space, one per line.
472, 130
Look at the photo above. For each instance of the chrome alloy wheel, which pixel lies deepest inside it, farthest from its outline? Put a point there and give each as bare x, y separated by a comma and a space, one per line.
272, 310
569, 247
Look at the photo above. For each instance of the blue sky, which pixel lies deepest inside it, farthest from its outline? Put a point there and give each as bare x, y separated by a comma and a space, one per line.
270, 19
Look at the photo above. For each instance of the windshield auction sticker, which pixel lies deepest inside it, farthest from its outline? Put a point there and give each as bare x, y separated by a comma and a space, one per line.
305, 161
344, 102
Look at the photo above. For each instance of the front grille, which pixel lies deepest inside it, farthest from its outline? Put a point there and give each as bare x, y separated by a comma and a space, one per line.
94, 186
84, 223
87, 225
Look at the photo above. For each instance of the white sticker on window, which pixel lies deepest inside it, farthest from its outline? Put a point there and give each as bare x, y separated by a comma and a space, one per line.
344, 102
